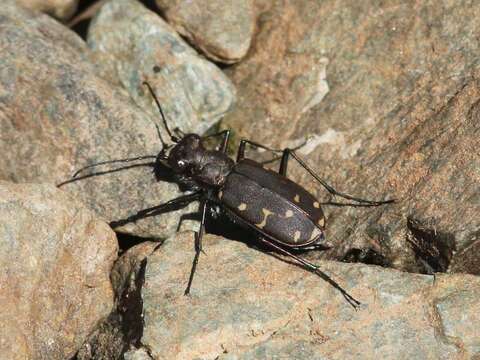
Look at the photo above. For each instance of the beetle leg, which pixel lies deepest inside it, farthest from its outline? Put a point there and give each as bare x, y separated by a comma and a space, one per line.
226, 137
316, 269
244, 142
171, 205
198, 245
330, 189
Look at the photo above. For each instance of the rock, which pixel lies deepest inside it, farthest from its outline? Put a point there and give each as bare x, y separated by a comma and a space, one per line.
56, 258
61, 9
135, 45
400, 120
246, 304
223, 30
137, 354
123, 328
56, 116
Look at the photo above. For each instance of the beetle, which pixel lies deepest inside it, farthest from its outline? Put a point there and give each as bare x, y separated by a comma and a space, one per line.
283, 215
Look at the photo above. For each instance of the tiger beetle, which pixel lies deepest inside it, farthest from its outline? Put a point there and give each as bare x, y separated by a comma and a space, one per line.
282, 214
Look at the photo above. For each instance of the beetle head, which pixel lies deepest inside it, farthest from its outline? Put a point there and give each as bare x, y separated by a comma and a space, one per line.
185, 154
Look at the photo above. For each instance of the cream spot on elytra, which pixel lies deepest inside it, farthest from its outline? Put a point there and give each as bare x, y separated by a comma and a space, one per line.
316, 204
296, 236
289, 213
242, 206
315, 233
321, 222
297, 198
266, 214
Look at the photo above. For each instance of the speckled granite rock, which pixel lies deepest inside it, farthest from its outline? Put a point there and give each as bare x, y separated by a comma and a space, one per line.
61, 9
56, 116
401, 120
223, 30
248, 305
56, 258
136, 45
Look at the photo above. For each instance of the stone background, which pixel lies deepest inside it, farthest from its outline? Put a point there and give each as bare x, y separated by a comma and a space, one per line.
382, 99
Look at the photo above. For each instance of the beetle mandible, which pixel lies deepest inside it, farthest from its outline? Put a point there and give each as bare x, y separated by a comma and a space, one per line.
283, 214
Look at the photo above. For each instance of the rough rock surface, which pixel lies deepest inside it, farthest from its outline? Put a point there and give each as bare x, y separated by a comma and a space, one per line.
246, 304
401, 120
223, 30
56, 116
135, 45
56, 258
123, 328
61, 9
137, 354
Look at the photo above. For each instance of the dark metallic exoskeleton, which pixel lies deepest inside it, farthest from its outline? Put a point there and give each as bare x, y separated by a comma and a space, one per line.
283, 214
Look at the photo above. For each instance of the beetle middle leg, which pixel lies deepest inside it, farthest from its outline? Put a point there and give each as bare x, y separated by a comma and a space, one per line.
329, 188
226, 138
198, 245
244, 142
316, 269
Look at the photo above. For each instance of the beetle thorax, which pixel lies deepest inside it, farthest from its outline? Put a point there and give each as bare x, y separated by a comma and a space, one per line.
191, 159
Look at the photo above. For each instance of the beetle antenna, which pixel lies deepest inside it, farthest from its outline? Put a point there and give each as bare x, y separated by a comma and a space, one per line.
172, 137
164, 145
112, 162
77, 178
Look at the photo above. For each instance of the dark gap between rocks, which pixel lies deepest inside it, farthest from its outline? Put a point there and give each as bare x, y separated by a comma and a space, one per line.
130, 308
433, 249
222, 66
366, 256
81, 27
127, 241
150, 5
123, 328
85, 4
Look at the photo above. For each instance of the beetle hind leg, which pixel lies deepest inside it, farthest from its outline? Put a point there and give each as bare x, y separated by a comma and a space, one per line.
315, 269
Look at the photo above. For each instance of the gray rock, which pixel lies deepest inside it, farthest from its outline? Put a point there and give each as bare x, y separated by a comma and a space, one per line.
61, 9
56, 258
136, 45
249, 305
56, 116
401, 121
223, 30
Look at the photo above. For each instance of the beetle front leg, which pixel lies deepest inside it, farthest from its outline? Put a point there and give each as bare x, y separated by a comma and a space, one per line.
170, 205
198, 246
330, 189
